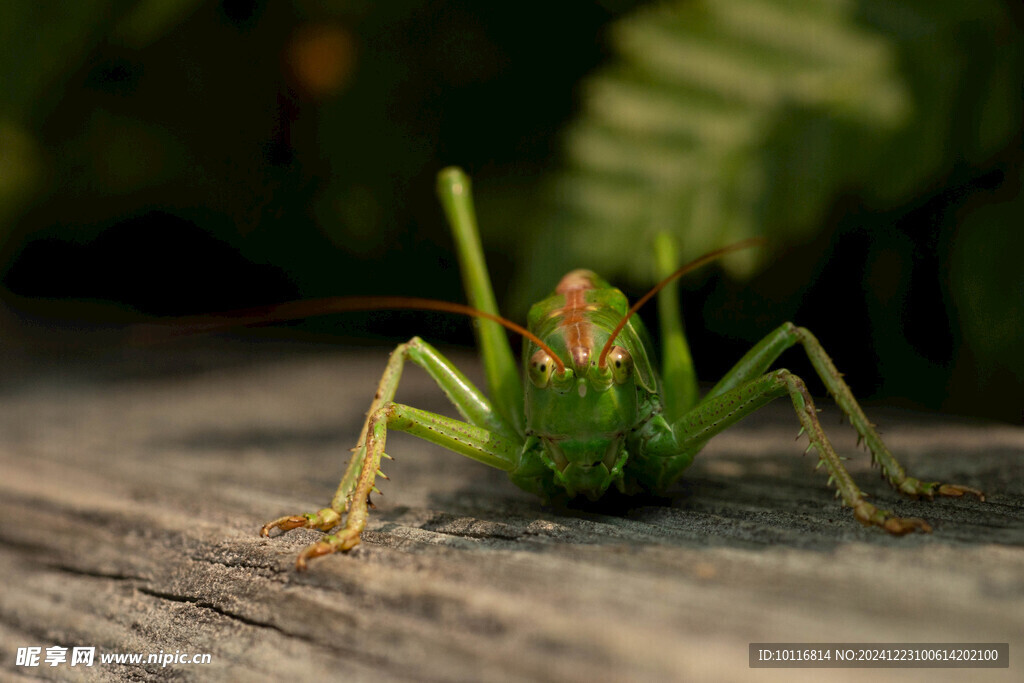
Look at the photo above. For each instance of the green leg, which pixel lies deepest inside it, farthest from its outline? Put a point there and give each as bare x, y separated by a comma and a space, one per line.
486, 437
672, 447
466, 439
679, 385
503, 378
759, 359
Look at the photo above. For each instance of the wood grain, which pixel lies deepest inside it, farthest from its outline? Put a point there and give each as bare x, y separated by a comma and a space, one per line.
133, 487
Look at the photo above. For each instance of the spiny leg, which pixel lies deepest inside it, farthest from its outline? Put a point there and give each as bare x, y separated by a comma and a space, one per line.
474, 442
760, 358
467, 399
675, 444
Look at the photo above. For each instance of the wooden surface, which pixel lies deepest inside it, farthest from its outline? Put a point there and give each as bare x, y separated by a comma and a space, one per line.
132, 488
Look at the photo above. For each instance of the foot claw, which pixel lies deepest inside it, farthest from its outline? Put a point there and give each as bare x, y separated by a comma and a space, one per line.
343, 541
324, 520
898, 526
869, 515
311, 552
284, 524
956, 491
919, 489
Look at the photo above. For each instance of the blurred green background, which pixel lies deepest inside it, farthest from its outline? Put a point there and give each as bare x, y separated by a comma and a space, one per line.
175, 156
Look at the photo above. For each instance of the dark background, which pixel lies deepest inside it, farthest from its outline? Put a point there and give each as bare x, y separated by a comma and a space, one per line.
172, 158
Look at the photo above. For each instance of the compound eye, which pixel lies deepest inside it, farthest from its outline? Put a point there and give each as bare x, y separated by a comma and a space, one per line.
541, 367
621, 364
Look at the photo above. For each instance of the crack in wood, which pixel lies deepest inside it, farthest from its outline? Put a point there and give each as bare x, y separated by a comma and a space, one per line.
206, 604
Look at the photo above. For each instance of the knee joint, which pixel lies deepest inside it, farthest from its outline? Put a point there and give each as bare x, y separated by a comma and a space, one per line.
383, 413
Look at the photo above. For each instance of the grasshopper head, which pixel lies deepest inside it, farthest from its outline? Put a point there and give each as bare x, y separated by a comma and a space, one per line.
581, 413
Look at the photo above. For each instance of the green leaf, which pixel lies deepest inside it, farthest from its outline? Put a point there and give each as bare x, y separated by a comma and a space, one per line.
724, 120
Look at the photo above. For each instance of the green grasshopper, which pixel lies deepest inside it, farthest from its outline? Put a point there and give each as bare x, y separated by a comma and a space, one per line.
592, 413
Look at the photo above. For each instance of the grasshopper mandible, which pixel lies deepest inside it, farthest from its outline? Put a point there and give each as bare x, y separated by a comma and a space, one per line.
592, 413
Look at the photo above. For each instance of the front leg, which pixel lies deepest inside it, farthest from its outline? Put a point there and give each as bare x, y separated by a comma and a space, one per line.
473, 442
667, 449
495, 443
766, 352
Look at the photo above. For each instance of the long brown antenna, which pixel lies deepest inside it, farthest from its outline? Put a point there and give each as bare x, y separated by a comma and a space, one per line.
308, 308
692, 265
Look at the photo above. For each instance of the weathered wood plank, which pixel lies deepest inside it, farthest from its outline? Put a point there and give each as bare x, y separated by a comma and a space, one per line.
131, 498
